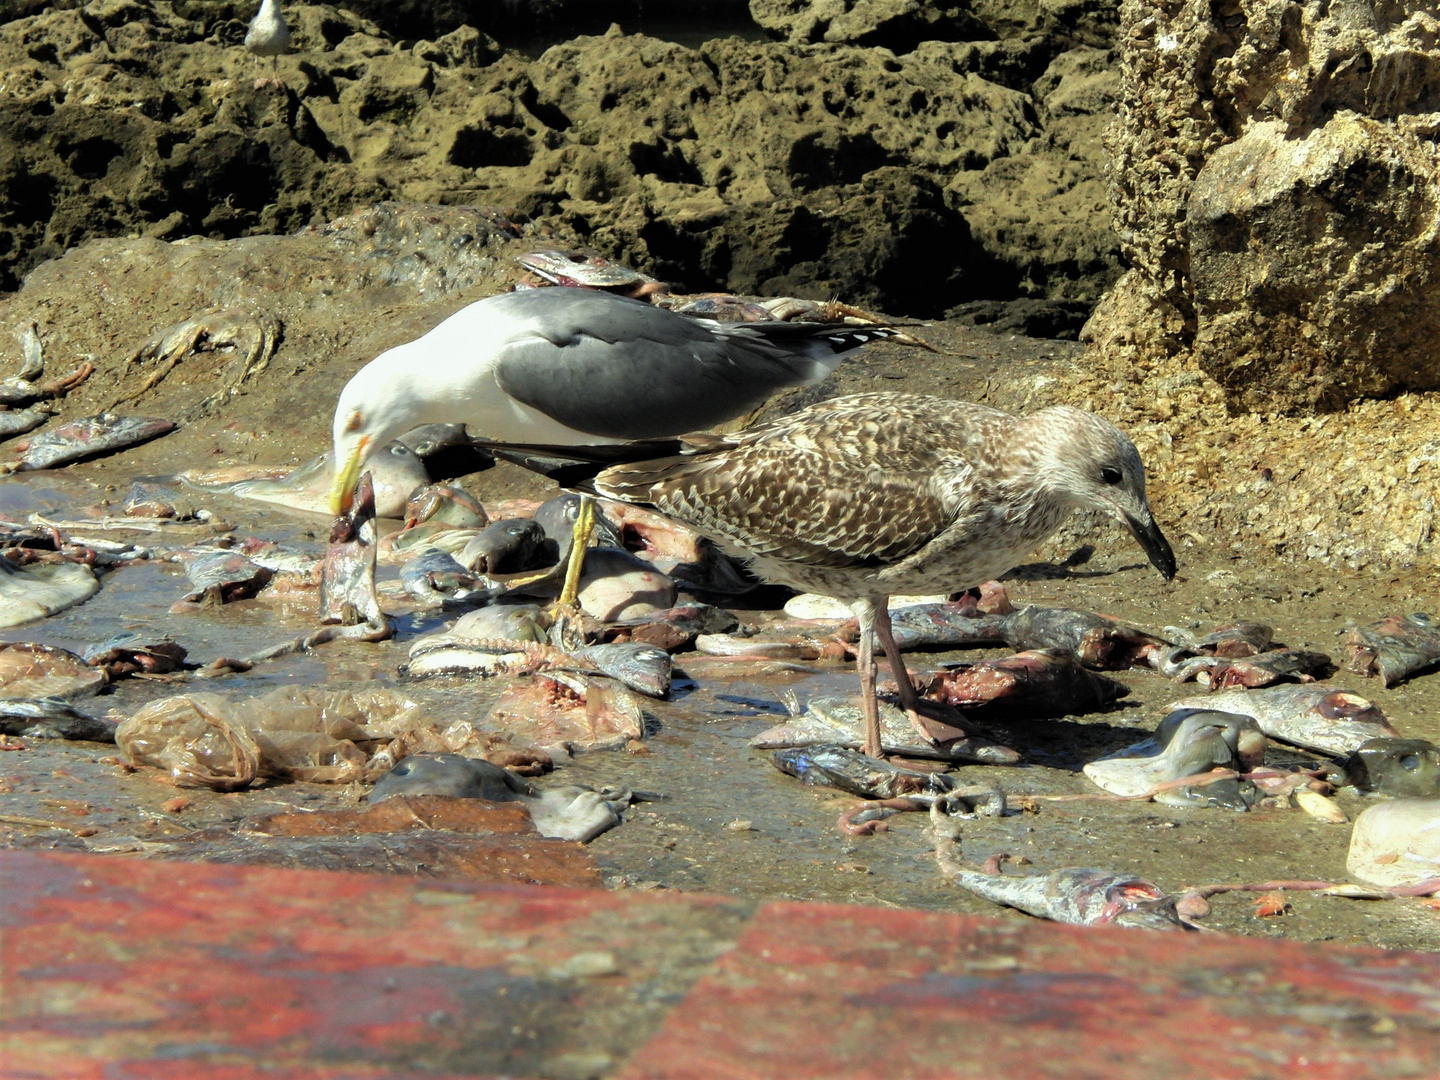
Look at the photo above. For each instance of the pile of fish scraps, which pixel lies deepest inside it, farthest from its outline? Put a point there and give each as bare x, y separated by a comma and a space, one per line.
1266, 729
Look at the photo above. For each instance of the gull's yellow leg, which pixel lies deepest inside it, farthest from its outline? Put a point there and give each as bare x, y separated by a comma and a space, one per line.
579, 540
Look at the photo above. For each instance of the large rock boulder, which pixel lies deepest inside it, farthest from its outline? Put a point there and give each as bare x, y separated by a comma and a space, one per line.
1276, 192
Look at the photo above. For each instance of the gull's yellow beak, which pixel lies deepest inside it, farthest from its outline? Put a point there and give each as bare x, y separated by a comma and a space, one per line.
342, 492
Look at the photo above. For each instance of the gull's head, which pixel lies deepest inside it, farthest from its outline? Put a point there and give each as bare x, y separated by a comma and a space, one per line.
374, 408
1093, 464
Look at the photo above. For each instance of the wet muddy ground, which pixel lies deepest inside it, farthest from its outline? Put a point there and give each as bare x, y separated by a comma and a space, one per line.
707, 782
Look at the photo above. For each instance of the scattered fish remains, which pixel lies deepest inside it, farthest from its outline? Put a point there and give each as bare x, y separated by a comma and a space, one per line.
347, 582
220, 577
1035, 683
1188, 742
841, 723
1082, 896
1395, 647
52, 718
39, 589
1320, 718
849, 770
30, 670
395, 474
90, 437
1401, 768
571, 812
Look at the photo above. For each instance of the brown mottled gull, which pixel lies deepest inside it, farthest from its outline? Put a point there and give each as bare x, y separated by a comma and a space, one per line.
860, 497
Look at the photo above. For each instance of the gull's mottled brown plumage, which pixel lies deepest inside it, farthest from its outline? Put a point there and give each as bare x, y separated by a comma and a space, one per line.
864, 496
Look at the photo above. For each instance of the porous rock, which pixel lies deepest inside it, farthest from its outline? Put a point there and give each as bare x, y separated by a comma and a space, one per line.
1275, 190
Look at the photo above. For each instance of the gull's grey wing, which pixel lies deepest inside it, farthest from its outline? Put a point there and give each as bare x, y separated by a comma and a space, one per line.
622, 369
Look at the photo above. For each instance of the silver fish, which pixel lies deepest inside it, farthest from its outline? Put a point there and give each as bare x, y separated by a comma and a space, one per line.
1313, 717
347, 579
395, 473
451, 775
434, 577
86, 438
837, 721
849, 770
450, 654
1256, 670
18, 421
1096, 640
1231, 640
444, 504
507, 547
505, 622
1081, 896
42, 588
1188, 742
52, 718
1394, 647
646, 669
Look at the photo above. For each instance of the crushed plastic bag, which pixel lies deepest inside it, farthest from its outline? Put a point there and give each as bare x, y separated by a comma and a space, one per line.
303, 733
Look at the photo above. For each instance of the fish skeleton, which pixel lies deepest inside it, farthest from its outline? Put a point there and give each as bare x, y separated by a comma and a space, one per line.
1313, 717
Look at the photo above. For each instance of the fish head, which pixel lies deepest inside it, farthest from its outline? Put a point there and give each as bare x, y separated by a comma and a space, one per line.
1136, 903
1091, 463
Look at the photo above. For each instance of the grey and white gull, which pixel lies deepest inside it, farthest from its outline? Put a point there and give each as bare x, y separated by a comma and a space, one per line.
577, 371
869, 495
268, 36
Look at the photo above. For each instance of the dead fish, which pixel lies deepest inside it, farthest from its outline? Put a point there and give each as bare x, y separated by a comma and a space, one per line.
395, 473
951, 625
505, 622
347, 579
87, 438
1097, 641
444, 504
52, 718
1232, 640
616, 585
644, 668
673, 628
1313, 717
506, 547
451, 775
777, 645
1188, 742
434, 577
1081, 896
726, 308
1394, 647
1260, 669
453, 654
557, 517
838, 722
131, 654
849, 770
587, 270
157, 501
18, 421
570, 812
32, 670
1230, 793
429, 439
42, 588
220, 577
1403, 768
1036, 683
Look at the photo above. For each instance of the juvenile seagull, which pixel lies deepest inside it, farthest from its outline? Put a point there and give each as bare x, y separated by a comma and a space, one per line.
577, 371
864, 496
268, 36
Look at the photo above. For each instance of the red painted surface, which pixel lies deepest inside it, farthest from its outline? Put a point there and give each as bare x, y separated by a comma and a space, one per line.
839, 992
121, 969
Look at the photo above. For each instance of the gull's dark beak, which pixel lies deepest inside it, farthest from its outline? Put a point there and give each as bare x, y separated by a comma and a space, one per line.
1157, 548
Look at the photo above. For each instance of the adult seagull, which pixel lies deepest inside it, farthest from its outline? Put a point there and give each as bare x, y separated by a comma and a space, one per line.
578, 372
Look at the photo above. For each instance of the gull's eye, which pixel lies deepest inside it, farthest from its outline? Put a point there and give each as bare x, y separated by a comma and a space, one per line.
1111, 475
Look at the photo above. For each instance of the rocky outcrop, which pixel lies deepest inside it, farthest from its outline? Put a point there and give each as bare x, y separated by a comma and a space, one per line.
1276, 184
902, 25
955, 172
